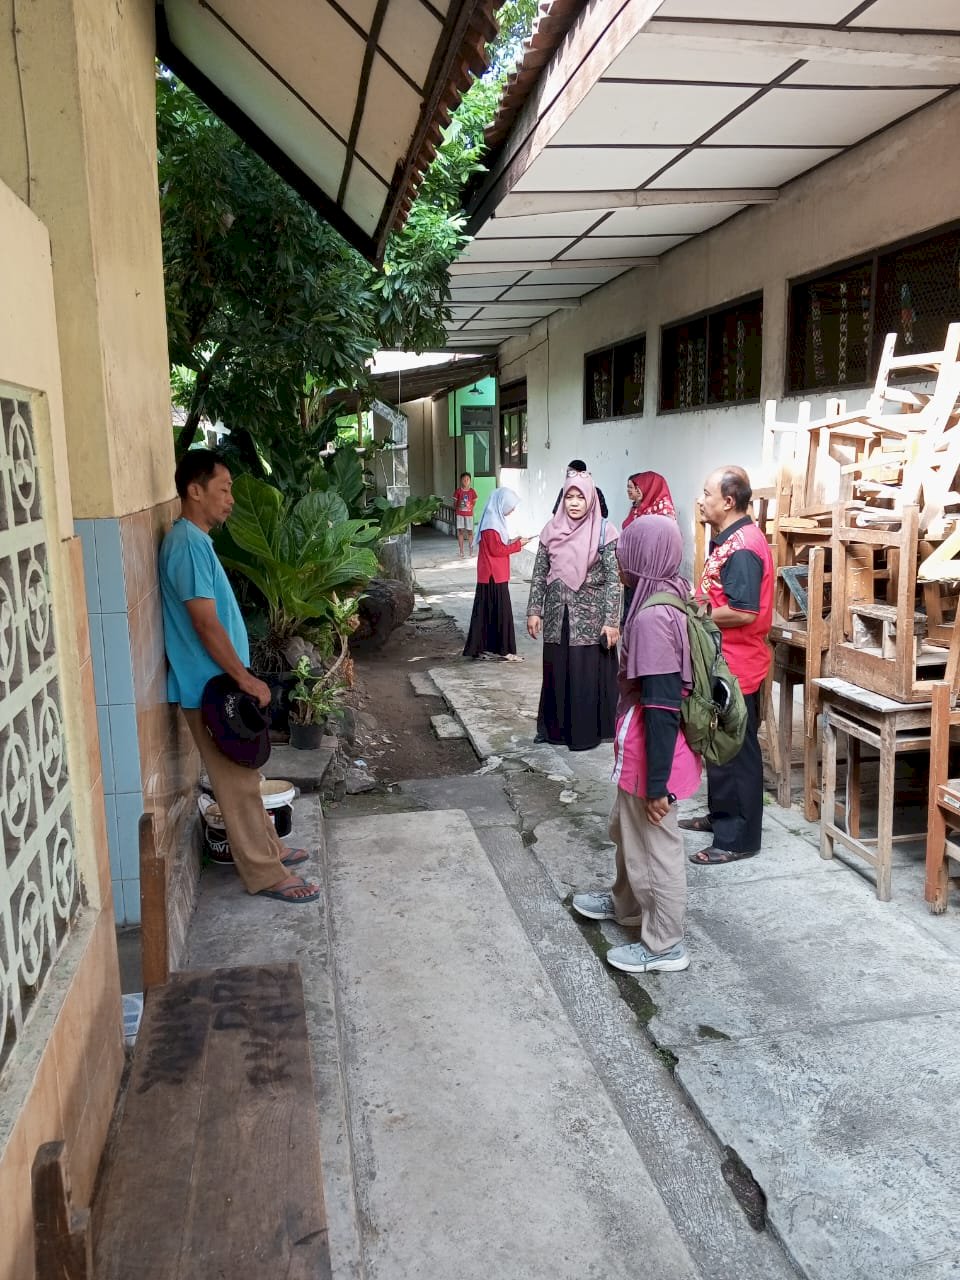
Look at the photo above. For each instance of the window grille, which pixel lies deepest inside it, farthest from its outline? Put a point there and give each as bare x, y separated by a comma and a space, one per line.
613, 381
513, 425
39, 892
918, 295
838, 320
713, 359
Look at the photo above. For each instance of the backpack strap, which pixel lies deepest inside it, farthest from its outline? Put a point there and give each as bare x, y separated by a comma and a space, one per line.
665, 597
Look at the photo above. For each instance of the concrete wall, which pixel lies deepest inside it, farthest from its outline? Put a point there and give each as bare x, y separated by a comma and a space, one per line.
78, 144
897, 185
62, 1077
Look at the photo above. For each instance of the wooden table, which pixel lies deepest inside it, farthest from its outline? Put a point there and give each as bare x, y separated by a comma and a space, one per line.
890, 726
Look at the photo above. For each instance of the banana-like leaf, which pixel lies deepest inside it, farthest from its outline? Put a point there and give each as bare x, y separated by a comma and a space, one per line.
254, 523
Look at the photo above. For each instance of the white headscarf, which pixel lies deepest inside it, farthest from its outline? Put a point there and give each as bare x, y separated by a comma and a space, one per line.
499, 505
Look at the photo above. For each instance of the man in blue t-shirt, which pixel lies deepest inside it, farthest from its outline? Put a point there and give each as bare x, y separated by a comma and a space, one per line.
205, 636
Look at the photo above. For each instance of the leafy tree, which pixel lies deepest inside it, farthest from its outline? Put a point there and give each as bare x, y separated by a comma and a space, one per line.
267, 306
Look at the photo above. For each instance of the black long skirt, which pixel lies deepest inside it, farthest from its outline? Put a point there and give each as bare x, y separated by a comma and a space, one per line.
578, 699
491, 623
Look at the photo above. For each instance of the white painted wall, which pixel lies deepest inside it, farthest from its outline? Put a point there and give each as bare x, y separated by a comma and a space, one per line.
900, 184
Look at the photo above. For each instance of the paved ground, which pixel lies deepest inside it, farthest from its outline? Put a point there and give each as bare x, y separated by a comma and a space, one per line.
493, 1103
816, 1031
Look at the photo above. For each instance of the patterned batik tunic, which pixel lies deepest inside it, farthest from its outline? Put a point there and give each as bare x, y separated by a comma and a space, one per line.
596, 605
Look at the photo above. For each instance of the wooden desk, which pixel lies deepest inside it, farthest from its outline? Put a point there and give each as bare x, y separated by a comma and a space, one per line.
892, 727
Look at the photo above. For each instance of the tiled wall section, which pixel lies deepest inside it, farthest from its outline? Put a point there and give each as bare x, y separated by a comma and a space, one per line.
148, 758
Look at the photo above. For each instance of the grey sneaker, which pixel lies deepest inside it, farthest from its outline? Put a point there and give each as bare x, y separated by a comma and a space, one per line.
594, 906
635, 958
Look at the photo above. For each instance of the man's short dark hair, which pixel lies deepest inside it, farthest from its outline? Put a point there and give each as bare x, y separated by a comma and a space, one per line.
196, 467
735, 484
577, 464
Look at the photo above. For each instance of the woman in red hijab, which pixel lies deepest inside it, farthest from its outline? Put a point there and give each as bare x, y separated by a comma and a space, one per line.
649, 495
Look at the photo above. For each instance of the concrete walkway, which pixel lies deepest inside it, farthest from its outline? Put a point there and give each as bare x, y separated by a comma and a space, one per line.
816, 1032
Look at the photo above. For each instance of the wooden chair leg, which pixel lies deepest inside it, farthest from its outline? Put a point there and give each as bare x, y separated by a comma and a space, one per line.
888, 765
937, 877
828, 798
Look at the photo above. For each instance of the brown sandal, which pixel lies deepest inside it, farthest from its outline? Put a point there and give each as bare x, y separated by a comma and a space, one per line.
701, 824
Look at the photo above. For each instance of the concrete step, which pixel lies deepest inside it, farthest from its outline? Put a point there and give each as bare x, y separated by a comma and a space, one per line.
485, 1144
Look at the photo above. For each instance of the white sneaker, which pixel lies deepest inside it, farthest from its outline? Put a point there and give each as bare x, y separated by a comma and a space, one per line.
594, 906
635, 958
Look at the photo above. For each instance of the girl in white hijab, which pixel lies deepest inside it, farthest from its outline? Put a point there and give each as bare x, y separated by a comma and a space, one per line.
491, 624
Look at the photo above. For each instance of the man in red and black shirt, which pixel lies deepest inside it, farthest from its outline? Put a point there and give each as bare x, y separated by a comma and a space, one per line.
737, 584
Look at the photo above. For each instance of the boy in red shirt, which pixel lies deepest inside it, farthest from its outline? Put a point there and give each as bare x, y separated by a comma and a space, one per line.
464, 500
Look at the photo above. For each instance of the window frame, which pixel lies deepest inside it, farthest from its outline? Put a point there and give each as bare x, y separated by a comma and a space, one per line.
610, 350
706, 317
873, 257
512, 405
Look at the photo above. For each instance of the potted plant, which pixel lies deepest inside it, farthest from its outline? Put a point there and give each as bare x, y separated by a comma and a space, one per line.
312, 699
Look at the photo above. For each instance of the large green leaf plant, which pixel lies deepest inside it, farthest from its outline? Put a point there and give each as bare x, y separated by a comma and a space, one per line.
306, 557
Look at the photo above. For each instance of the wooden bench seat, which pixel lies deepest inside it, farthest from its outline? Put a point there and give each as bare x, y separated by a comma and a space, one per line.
215, 1170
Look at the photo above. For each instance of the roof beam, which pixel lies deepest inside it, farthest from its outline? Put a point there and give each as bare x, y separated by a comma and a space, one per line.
522, 203
464, 267
909, 50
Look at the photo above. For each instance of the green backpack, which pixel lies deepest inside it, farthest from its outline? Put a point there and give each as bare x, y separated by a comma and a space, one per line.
714, 716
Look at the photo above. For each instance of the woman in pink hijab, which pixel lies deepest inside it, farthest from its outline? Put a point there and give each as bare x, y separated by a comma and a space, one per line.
575, 603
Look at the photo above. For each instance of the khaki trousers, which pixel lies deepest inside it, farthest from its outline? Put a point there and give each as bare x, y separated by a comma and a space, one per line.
651, 885
254, 843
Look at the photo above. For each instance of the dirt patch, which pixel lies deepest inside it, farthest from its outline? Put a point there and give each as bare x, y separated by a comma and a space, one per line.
395, 737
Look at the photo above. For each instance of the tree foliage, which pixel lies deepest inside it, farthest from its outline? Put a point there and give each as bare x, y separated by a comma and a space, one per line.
267, 306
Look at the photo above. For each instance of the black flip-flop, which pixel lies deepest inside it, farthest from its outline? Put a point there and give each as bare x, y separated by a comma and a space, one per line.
712, 857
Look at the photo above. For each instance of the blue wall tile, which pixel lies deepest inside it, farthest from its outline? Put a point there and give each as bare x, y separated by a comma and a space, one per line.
124, 746
131, 901
110, 804
113, 593
106, 749
119, 910
96, 650
129, 809
85, 532
116, 657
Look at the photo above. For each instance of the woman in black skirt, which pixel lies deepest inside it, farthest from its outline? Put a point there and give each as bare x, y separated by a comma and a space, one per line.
491, 624
575, 601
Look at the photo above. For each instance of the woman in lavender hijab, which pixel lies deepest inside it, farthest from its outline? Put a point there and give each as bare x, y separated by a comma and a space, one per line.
654, 766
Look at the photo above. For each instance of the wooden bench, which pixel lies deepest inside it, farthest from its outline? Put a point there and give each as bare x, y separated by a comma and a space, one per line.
215, 1169
866, 718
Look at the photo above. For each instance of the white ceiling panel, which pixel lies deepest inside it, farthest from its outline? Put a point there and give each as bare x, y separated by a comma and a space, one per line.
306, 64
667, 219
731, 166
622, 247
639, 114
409, 35
390, 116
827, 73
592, 169
816, 11
824, 117
501, 325
593, 275
487, 278
361, 11
527, 315
544, 224
363, 197
514, 250
460, 296
649, 57
918, 15
534, 292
